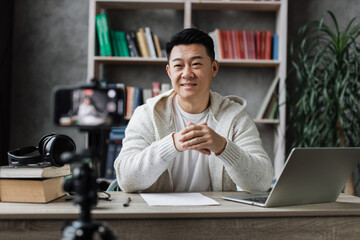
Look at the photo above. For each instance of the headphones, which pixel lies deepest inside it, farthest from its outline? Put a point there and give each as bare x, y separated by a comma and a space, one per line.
49, 149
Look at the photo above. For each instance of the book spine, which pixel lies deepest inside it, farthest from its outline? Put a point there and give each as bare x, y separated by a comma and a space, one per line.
258, 45
157, 46
147, 94
132, 47
275, 50
156, 89
222, 44
268, 38
234, 45
105, 35
100, 34
117, 152
129, 101
150, 42
109, 168
124, 44
142, 43
137, 98
114, 44
245, 41
165, 87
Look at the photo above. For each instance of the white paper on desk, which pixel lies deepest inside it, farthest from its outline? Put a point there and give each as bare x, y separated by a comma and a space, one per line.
177, 199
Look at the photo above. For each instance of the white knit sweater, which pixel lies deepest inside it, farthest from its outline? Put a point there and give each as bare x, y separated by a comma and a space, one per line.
146, 158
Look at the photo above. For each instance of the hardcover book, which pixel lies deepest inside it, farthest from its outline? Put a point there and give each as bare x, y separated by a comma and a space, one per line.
34, 172
41, 190
103, 35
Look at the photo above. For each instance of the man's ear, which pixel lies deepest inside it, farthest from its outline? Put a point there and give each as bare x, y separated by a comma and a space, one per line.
168, 70
215, 68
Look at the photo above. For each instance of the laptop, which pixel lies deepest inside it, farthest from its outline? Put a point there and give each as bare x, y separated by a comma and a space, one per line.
310, 175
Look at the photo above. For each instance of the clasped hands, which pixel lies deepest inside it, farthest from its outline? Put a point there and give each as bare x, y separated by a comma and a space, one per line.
199, 137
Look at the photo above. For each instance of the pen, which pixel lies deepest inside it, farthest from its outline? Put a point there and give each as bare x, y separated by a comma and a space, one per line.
127, 203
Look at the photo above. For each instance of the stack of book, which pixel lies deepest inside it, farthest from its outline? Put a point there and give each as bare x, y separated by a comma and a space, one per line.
140, 43
245, 44
32, 184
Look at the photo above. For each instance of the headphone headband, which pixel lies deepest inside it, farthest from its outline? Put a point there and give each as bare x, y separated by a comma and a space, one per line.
18, 157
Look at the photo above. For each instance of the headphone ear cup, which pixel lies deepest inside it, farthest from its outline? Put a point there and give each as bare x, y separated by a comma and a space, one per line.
56, 145
43, 142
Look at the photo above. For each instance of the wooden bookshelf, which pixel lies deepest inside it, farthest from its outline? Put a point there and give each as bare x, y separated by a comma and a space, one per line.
189, 10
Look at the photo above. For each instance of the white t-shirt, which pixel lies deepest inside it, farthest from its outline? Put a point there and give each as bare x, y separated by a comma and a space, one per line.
190, 170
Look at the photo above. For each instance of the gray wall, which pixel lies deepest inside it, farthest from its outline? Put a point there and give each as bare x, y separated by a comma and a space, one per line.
50, 49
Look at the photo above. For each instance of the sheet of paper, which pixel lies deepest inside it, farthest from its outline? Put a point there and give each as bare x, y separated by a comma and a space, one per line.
177, 199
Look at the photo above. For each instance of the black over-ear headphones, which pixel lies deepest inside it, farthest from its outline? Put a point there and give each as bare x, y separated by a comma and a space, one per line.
50, 148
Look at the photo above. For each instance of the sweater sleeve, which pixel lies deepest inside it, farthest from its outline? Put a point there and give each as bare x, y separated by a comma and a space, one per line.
244, 158
142, 158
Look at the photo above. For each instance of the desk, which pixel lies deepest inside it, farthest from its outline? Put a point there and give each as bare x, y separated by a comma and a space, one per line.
229, 220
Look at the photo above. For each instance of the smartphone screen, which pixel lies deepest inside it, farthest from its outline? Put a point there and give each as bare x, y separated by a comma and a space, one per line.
88, 107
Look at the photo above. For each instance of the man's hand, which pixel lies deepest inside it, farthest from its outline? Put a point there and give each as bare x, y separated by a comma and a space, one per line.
200, 138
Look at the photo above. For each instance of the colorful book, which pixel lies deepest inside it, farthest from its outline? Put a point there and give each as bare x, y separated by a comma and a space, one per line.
150, 42
268, 43
123, 43
275, 47
141, 39
130, 92
103, 34
157, 46
114, 44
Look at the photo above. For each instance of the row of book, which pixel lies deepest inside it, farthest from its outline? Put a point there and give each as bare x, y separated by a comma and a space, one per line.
245, 44
141, 43
136, 96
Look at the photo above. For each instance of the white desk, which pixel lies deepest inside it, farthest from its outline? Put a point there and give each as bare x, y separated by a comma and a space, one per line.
229, 220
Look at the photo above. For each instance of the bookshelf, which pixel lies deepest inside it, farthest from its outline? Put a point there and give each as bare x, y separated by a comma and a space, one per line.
168, 17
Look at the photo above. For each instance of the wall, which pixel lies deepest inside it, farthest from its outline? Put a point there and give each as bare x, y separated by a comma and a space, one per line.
50, 49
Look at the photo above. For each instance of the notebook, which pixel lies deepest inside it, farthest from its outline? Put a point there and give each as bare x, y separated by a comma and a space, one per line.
310, 175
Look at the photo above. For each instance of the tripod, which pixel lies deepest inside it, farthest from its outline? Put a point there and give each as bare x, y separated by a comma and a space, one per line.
83, 184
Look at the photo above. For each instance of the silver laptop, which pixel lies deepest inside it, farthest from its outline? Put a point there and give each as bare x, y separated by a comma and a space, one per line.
310, 175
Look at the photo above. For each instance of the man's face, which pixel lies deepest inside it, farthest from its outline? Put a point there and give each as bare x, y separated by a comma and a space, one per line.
191, 71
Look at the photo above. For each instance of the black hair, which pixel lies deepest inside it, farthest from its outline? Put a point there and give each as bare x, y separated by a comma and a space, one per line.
190, 36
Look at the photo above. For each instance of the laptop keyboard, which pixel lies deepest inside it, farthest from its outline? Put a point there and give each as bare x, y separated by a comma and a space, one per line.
257, 199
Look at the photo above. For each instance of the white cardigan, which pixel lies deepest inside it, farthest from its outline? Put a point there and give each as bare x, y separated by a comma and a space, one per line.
148, 151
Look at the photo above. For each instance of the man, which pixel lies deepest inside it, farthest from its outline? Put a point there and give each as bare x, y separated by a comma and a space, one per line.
190, 138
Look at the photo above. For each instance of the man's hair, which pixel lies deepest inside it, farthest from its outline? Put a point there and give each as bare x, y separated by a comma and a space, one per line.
190, 36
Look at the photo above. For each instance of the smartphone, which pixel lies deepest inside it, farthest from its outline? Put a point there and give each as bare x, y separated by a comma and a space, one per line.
88, 107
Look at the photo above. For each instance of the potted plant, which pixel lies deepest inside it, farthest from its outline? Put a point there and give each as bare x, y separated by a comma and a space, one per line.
324, 106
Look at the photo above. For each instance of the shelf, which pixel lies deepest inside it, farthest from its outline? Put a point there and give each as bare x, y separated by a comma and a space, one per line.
267, 121
163, 61
222, 14
140, 4
236, 5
